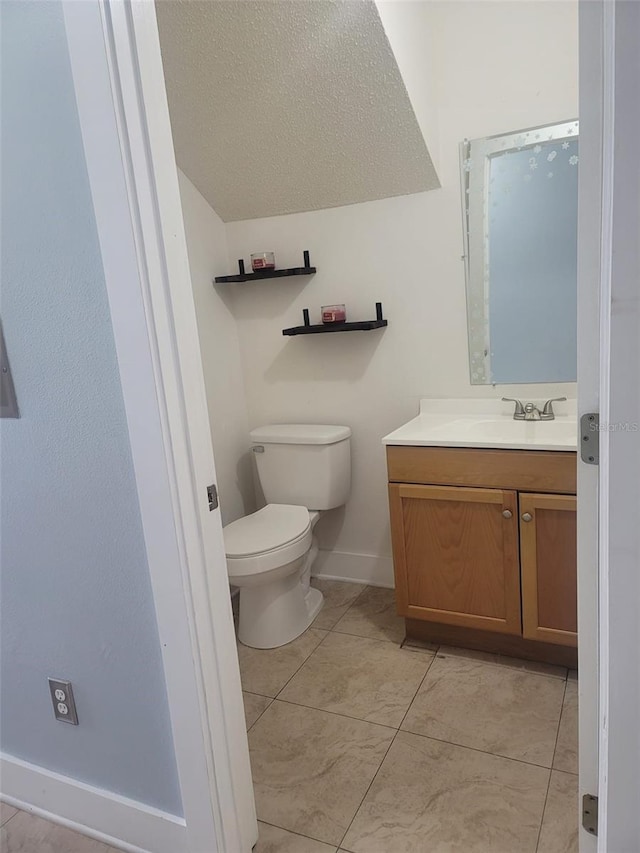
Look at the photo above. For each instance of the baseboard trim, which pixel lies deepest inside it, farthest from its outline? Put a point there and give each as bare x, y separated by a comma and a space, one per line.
354, 568
103, 815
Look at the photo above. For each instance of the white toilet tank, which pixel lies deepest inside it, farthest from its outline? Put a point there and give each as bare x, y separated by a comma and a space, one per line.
304, 464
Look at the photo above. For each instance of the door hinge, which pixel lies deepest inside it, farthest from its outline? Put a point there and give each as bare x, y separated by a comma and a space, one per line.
212, 497
590, 814
590, 438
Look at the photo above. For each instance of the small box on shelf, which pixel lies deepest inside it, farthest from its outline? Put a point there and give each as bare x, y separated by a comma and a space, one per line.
323, 328
244, 276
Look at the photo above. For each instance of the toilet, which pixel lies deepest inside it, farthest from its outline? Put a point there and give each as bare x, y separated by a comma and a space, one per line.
304, 469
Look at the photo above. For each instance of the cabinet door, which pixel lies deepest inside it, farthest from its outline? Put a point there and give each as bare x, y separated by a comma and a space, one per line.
455, 552
549, 568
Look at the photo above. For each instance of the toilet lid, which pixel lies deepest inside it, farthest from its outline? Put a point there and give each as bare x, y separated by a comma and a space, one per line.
269, 528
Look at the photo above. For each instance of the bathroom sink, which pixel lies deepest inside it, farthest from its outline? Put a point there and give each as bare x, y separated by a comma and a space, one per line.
485, 423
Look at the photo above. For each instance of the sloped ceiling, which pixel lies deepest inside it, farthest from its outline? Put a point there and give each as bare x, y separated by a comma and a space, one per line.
287, 106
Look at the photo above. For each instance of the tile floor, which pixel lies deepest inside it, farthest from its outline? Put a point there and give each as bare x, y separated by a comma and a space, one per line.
360, 746
21, 832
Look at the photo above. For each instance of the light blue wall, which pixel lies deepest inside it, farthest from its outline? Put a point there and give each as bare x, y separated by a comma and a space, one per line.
76, 594
533, 256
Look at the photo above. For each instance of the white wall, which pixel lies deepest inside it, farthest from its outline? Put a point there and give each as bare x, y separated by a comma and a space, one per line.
226, 397
499, 66
409, 28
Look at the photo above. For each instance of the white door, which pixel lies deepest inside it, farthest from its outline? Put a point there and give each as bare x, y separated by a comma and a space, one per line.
589, 250
118, 78
609, 383
619, 825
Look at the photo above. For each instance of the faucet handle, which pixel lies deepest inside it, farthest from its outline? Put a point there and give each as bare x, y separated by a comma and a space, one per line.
547, 411
519, 412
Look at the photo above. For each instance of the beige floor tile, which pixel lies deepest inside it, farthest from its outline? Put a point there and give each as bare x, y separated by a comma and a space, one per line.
338, 598
311, 769
492, 708
503, 660
266, 671
560, 823
373, 615
275, 840
26, 833
254, 707
368, 679
566, 757
436, 797
6, 812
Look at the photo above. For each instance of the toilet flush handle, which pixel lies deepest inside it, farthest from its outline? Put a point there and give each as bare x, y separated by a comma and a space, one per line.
258, 448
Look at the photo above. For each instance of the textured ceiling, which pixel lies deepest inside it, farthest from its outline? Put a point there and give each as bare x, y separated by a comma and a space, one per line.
280, 107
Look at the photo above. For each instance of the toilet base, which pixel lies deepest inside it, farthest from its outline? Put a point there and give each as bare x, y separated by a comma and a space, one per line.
275, 613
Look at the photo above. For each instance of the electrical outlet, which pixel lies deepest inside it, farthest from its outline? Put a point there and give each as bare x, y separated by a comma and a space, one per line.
64, 706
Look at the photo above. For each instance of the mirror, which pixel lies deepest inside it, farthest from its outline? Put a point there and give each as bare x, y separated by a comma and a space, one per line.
520, 212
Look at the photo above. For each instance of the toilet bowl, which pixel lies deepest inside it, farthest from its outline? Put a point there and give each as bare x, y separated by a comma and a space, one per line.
269, 557
304, 469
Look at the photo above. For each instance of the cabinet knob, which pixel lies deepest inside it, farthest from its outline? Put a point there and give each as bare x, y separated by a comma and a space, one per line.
526, 516
506, 513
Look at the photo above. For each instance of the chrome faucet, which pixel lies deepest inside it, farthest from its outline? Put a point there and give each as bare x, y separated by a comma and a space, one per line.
547, 413
530, 412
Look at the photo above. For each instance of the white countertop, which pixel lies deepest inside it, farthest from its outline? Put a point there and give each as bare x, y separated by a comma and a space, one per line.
486, 423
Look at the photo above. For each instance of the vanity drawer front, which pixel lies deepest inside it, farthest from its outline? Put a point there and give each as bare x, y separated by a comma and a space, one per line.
455, 553
522, 470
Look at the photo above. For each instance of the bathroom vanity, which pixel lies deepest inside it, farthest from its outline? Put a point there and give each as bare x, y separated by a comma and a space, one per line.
483, 526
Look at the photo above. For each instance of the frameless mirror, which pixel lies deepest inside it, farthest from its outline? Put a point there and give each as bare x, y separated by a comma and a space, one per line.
520, 211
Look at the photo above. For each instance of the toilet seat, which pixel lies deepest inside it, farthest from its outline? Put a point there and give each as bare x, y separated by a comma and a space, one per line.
265, 540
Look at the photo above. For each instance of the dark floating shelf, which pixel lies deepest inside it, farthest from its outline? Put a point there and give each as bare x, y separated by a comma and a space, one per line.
258, 276
324, 328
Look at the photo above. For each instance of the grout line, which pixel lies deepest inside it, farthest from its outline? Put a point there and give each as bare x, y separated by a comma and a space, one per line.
416, 693
386, 753
255, 692
555, 746
442, 649
400, 646
271, 701
348, 606
17, 812
375, 776
477, 749
364, 637
293, 832
244, 690
418, 734
337, 630
363, 587
303, 662
336, 714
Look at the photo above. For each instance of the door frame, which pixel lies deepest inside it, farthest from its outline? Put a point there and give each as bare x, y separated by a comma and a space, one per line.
609, 383
619, 498
119, 83
592, 180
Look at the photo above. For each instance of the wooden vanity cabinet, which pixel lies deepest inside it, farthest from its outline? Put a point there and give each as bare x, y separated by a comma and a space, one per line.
484, 547
456, 553
548, 568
